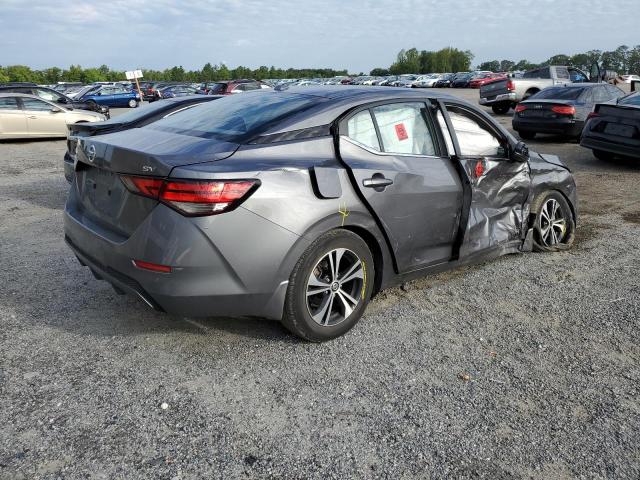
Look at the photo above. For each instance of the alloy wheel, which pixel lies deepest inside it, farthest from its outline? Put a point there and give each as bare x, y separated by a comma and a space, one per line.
553, 225
335, 287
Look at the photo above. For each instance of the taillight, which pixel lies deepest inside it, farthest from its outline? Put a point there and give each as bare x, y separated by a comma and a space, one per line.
520, 108
592, 115
564, 109
193, 198
511, 86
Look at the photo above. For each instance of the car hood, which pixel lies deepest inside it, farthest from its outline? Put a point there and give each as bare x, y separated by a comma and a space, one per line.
150, 152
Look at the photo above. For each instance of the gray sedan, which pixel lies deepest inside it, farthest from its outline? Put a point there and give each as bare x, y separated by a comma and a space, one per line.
300, 205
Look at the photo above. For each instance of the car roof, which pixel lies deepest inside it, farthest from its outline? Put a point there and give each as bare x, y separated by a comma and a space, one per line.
333, 100
23, 95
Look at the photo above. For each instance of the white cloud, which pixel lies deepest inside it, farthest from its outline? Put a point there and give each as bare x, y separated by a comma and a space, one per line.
353, 34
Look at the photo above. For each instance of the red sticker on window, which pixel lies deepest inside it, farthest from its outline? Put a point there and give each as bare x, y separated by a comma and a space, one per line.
401, 132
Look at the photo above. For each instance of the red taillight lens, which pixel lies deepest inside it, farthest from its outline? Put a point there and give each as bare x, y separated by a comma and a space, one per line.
154, 267
563, 109
193, 197
592, 115
511, 86
520, 108
149, 187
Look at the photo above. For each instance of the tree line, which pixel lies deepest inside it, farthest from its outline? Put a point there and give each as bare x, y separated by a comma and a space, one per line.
622, 60
75, 73
426, 61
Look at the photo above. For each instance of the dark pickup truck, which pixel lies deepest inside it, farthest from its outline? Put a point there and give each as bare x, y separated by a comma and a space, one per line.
502, 95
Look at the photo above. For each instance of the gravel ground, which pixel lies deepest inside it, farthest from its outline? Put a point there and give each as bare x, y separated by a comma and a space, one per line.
525, 367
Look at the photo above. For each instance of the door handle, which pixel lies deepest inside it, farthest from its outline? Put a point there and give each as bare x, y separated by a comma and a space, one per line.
32, 117
378, 181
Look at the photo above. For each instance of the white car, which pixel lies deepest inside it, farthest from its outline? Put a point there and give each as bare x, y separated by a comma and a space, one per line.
28, 116
630, 78
426, 81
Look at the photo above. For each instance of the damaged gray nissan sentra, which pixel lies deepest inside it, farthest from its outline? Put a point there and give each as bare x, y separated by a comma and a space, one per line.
300, 205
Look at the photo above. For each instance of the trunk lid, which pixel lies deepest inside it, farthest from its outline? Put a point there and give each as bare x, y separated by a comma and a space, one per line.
543, 108
100, 198
142, 151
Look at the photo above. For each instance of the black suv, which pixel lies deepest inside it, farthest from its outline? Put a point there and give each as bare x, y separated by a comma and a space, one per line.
53, 96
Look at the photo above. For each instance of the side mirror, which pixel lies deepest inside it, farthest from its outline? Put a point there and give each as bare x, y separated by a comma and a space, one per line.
520, 153
56, 110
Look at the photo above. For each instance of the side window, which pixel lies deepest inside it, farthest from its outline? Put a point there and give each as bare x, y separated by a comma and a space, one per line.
361, 129
562, 73
34, 104
47, 95
446, 133
8, 104
403, 129
475, 138
577, 76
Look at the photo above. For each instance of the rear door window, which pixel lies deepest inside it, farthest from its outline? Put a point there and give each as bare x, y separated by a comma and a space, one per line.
8, 104
361, 129
403, 129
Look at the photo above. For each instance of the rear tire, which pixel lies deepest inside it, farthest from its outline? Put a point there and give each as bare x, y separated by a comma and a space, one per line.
319, 305
527, 135
501, 108
133, 103
554, 226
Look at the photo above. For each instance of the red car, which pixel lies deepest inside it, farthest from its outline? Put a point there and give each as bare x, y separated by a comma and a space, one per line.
228, 87
486, 78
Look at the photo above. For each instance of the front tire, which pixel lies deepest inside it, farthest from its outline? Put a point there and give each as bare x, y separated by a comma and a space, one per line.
133, 103
330, 287
554, 225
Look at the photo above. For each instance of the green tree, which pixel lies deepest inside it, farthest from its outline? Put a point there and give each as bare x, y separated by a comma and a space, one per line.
493, 66
379, 72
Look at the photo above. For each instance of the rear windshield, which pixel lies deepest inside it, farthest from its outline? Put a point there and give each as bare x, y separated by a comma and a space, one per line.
633, 99
218, 88
235, 118
558, 93
163, 106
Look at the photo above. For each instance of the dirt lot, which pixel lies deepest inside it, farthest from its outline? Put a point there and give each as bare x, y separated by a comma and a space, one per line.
525, 367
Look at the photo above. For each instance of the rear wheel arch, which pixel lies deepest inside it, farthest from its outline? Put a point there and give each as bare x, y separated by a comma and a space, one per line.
531, 91
376, 252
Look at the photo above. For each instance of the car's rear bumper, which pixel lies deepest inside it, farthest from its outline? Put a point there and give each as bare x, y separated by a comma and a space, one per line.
614, 147
503, 97
559, 126
213, 271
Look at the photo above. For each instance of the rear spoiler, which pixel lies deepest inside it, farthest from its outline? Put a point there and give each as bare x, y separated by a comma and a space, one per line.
92, 127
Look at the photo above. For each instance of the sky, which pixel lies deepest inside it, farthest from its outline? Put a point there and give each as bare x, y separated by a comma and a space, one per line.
356, 35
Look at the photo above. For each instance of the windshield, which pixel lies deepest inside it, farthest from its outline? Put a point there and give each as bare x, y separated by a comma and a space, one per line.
558, 93
235, 118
